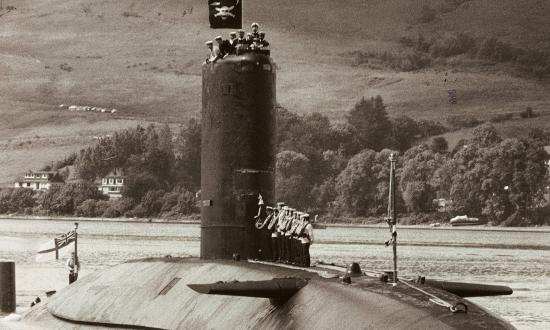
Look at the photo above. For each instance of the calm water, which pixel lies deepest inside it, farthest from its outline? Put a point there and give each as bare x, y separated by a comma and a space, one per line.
519, 259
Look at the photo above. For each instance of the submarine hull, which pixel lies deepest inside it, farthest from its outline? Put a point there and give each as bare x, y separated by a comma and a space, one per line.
154, 293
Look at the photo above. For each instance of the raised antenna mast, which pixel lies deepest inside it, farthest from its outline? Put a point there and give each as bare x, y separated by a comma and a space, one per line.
391, 218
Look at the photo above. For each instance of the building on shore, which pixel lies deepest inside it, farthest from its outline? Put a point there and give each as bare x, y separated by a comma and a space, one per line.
39, 180
112, 184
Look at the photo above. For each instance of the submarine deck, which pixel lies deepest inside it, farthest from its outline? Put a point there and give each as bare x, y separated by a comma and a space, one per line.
153, 294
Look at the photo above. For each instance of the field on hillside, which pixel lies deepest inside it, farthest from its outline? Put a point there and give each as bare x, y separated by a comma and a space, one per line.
143, 58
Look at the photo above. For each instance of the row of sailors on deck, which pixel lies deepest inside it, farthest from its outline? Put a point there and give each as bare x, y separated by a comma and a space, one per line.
221, 48
291, 232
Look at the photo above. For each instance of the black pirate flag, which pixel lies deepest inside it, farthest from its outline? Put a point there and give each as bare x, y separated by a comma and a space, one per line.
225, 14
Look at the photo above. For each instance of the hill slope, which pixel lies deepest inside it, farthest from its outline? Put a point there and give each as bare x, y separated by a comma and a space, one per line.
143, 58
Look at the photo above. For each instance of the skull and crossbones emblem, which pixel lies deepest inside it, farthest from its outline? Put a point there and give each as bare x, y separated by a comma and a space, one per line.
224, 11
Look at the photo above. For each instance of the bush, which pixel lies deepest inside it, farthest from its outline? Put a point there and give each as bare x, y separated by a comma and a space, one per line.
460, 43
431, 128
527, 113
415, 62
501, 117
428, 14
458, 122
130, 14
111, 212
439, 144
87, 208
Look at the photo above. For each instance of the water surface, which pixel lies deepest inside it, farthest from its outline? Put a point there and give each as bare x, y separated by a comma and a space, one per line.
519, 259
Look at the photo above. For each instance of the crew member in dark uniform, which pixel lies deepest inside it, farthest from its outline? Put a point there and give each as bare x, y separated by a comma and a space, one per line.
223, 46
274, 227
233, 41
261, 40
240, 39
255, 26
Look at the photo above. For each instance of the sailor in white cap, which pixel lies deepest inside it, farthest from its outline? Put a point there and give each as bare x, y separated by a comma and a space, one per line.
262, 43
296, 242
240, 38
273, 227
307, 240
288, 235
255, 26
214, 52
233, 41
249, 39
281, 216
223, 46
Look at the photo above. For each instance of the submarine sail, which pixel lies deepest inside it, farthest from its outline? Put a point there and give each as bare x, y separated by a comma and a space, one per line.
238, 154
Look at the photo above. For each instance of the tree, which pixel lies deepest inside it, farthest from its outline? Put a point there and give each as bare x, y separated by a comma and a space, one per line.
291, 163
165, 139
404, 132
417, 178
291, 179
371, 124
188, 155
16, 200
439, 145
497, 179
485, 135
362, 187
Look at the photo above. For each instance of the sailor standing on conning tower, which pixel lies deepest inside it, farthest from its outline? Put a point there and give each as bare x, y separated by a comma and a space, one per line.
255, 26
214, 52
224, 46
233, 42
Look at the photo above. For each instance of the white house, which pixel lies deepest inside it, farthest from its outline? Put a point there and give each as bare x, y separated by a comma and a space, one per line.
38, 180
111, 185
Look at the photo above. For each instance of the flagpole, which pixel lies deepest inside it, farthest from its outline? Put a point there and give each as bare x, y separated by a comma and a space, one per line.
393, 216
75, 242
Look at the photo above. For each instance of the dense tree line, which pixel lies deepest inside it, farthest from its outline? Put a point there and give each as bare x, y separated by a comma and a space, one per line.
162, 173
336, 169
343, 169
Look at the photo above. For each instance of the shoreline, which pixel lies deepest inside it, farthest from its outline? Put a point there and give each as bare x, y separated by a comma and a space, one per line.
442, 227
193, 220
188, 220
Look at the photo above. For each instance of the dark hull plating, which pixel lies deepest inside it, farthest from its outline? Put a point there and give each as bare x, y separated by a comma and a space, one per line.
238, 154
154, 294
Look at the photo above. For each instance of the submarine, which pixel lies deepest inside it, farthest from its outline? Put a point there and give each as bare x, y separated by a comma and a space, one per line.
230, 286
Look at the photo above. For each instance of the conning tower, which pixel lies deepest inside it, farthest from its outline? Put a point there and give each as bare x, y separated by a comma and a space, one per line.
238, 154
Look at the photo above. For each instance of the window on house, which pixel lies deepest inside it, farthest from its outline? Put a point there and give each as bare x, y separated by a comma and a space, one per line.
45, 176
119, 181
28, 184
111, 181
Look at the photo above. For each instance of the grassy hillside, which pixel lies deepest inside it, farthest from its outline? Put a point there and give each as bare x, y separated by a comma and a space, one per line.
143, 58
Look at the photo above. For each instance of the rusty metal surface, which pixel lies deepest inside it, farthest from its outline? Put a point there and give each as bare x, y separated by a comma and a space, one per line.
238, 154
129, 294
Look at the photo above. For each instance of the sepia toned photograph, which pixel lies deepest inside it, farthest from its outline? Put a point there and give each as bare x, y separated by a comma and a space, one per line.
291, 164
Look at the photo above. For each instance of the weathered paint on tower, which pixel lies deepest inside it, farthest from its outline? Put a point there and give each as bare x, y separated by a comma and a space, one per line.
238, 154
